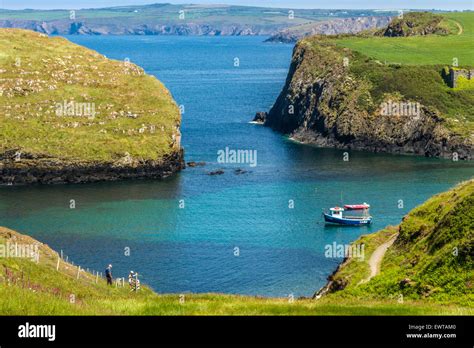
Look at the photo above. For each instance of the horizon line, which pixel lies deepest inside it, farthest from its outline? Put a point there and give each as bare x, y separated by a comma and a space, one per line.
232, 5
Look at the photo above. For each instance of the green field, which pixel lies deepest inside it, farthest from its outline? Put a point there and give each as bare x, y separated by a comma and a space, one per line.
202, 14
421, 50
134, 112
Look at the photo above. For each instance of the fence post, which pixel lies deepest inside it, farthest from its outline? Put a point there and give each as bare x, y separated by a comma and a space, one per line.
57, 265
61, 253
78, 270
97, 277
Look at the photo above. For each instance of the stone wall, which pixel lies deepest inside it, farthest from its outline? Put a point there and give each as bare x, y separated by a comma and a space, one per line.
455, 73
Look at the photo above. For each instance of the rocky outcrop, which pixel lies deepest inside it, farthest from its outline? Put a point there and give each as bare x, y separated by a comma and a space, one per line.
260, 117
414, 24
333, 27
324, 104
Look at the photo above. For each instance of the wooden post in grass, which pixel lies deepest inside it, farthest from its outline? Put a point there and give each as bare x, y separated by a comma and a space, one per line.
123, 282
78, 270
61, 253
97, 277
57, 265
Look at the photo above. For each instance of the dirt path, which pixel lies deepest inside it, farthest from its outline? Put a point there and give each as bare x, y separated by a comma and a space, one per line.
377, 257
459, 26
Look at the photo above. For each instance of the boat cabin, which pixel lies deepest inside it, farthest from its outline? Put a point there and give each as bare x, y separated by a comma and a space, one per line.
336, 212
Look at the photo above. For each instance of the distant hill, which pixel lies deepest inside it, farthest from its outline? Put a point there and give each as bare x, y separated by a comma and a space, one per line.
168, 19
69, 114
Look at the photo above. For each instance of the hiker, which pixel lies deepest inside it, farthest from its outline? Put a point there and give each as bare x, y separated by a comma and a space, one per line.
108, 274
131, 280
137, 282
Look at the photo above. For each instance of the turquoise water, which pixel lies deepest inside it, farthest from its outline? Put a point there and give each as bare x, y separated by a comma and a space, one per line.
193, 249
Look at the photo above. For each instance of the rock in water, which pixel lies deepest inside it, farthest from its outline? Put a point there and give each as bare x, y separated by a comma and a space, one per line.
260, 117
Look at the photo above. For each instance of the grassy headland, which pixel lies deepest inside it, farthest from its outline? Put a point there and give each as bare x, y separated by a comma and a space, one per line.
338, 89
38, 73
65, 103
411, 67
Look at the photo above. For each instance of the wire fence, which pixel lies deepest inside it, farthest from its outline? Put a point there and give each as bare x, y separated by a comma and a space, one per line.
66, 267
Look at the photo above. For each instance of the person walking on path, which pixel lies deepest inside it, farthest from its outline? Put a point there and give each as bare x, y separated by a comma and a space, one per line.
108, 274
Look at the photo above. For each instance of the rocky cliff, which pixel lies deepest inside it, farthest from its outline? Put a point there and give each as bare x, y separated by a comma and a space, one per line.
329, 101
416, 23
70, 115
91, 27
333, 27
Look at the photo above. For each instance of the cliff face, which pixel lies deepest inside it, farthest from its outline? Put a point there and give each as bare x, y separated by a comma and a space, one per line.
70, 115
34, 169
333, 27
89, 27
325, 103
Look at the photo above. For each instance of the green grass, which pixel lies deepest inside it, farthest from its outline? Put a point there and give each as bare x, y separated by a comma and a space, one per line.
431, 260
37, 73
98, 299
421, 50
356, 270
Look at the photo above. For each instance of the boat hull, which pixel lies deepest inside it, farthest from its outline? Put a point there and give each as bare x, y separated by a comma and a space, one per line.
347, 221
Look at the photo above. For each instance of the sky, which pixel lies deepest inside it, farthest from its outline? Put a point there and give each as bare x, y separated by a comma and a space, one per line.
331, 4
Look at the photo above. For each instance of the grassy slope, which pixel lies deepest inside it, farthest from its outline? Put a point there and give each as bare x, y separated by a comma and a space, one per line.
419, 77
440, 284
54, 70
421, 50
431, 260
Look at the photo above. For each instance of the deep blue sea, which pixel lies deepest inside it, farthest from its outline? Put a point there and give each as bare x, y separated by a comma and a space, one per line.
236, 233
